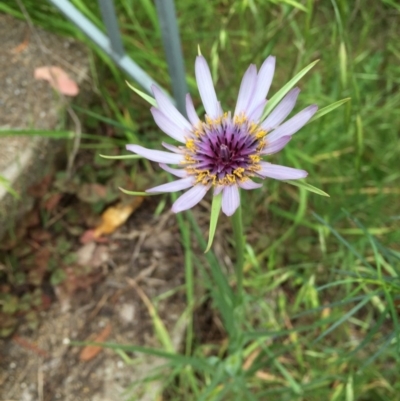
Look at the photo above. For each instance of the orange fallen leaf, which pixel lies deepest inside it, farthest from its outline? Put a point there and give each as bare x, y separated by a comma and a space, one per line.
29, 346
115, 216
58, 79
51, 203
88, 236
21, 47
90, 351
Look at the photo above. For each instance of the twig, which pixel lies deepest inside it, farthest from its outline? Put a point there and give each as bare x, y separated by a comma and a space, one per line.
77, 140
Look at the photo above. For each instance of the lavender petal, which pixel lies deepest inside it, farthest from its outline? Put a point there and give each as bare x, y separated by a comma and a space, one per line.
218, 189
274, 147
168, 109
174, 186
281, 111
246, 90
294, 124
257, 111
190, 198
249, 184
156, 155
172, 148
178, 172
206, 87
264, 80
230, 199
191, 111
166, 125
280, 172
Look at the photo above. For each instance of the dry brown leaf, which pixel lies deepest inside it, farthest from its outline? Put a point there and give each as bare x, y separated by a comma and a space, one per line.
24, 343
90, 351
22, 46
115, 216
268, 377
51, 203
58, 79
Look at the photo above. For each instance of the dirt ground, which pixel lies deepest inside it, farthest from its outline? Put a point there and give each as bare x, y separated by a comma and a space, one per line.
38, 364
56, 287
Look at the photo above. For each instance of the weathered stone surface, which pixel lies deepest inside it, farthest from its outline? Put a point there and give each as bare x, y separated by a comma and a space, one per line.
26, 103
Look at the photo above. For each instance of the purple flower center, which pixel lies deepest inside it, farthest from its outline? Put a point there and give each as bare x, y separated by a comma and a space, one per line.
224, 151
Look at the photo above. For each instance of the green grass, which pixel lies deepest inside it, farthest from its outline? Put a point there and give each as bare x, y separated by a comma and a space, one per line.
322, 274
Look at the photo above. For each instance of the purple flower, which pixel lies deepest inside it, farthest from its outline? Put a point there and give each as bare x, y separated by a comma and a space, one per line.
225, 151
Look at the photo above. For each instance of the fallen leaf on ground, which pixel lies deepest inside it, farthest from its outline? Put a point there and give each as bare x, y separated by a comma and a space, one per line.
22, 46
29, 346
90, 351
58, 79
115, 216
39, 234
88, 236
51, 203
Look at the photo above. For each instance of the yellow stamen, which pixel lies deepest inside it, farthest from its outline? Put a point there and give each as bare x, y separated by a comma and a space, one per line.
190, 144
255, 158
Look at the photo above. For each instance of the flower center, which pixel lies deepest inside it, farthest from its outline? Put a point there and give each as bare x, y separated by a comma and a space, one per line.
224, 151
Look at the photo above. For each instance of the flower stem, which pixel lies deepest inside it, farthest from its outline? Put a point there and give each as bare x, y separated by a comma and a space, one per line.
239, 246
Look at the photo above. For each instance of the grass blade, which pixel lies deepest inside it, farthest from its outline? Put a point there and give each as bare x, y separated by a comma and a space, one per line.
329, 108
134, 193
308, 187
121, 157
215, 209
143, 95
345, 317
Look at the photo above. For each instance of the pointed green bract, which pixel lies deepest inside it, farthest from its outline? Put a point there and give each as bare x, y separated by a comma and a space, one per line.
134, 193
286, 88
308, 187
215, 208
328, 109
121, 156
143, 95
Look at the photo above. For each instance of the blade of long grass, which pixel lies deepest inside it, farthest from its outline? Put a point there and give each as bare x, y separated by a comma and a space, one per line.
342, 240
381, 349
173, 358
134, 193
106, 120
345, 317
121, 157
159, 328
285, 373
307, 187
189, 279
215, 209
223, 294
6, 185
370, 334
328, 109
143, 95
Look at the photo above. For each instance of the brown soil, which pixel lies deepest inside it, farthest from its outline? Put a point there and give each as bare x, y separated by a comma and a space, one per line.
40, 365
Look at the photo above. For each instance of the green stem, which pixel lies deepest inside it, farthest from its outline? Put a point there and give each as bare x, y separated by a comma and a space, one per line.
239, 247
